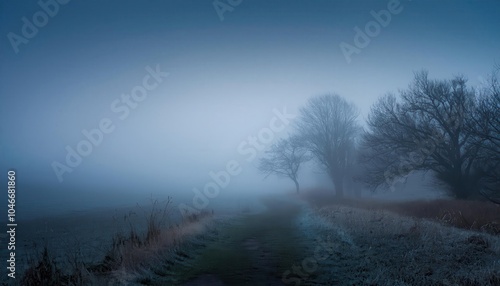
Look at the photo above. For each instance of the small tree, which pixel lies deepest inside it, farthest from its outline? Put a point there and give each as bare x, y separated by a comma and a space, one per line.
284, 159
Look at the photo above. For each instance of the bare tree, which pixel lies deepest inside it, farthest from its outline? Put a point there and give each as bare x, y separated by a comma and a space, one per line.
284, 159
486, 125
425, 129
328, 126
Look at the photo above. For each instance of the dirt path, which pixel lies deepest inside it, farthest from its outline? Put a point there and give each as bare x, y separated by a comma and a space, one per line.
254, 249
291, 244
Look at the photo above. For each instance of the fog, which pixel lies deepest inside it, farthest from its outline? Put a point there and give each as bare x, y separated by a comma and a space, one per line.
211, 84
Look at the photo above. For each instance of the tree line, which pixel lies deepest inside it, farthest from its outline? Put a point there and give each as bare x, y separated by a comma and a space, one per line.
442, 126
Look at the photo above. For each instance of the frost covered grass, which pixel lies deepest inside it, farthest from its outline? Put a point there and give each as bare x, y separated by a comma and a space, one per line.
128, 255
394, 250
360, 246
472, 215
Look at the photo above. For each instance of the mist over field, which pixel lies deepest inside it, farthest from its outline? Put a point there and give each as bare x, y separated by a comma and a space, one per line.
224, 79
233, 112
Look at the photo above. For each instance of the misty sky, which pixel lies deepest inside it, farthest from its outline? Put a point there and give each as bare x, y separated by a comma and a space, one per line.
225, 78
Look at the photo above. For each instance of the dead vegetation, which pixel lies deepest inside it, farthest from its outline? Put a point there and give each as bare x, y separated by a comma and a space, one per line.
481, 216
388, 249
128, 254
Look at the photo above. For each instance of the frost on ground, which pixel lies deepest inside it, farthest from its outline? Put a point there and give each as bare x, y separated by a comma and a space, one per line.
334, 245
381, 248
291, 243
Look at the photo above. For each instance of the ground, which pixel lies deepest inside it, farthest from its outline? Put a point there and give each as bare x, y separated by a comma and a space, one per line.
291, 241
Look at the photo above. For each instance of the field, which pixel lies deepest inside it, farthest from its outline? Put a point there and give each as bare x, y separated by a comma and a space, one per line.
294, 240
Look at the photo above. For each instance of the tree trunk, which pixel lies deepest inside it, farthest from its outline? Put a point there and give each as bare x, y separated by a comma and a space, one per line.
296, 185
464, 185
339, 186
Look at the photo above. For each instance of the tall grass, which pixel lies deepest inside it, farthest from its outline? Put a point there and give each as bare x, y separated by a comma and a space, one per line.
128, 252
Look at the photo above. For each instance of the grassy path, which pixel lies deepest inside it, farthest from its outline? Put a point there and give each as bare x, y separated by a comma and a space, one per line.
253, 250
292, 244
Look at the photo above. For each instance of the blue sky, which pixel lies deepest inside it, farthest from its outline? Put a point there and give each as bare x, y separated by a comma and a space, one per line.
225, 78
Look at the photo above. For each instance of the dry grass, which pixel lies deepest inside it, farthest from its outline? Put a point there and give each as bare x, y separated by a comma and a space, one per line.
127, 256
43, 270
388, 249
472, 215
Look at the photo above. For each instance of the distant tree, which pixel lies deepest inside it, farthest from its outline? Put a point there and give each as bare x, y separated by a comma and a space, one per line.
426, 128
328, 127
284, 158
486, 125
